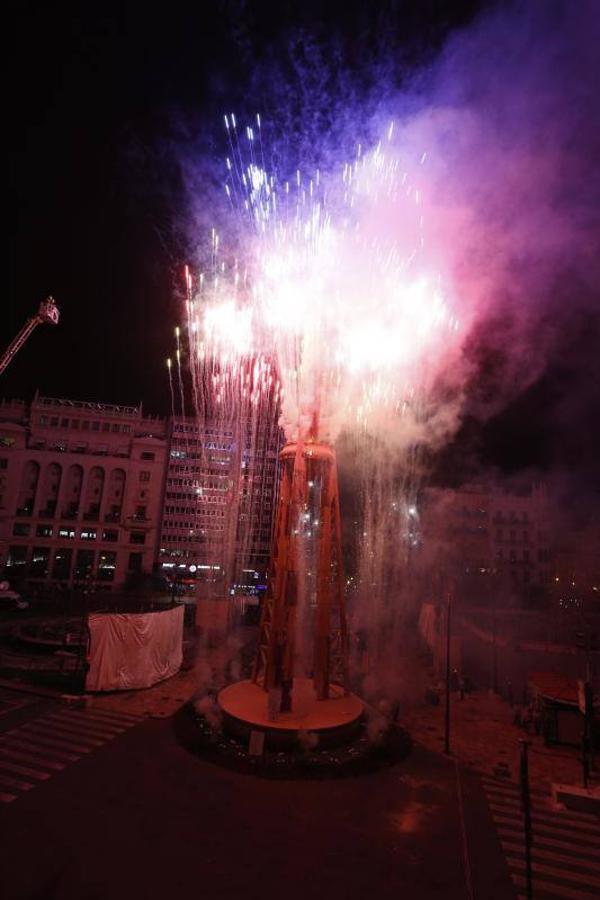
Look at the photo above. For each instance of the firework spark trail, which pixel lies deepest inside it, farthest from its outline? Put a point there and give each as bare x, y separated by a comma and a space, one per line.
333, 309
336, 288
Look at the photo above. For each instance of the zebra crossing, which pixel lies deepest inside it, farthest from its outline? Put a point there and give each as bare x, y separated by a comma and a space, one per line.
565, 846
35, 751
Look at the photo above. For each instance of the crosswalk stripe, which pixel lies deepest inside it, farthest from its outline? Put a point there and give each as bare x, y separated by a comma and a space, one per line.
543, 819
36, 747
72, 733
92, 722
546, 807
552, 830
7, 781
10, 766
127, 718
565, 852
28, 758
513, 849
576, 850
100, 733
550, 889
508, 786
50, 740
554, 872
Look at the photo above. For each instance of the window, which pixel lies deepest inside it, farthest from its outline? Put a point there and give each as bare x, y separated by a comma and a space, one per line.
43, 420
146, 454
135, 562
144, 476
107, 564
140, 512
54, 422
40, 559
111, 535
75, 424
62, 563
3, 463
16, 560
85, 425
66, 533
64, 423
106, 426
84, 563
116, 428
137, 537
88, 534
21, 529
95, 426
43, 531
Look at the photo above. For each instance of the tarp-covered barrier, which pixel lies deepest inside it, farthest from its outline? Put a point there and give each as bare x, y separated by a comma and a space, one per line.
134, 651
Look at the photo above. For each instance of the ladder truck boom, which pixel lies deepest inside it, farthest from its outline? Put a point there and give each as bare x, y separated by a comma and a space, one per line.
47, 314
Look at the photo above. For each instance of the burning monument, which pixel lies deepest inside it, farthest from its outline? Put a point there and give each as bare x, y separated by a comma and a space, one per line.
330, 308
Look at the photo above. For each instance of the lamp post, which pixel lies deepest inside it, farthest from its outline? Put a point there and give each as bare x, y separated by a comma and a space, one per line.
448, 671
526, 810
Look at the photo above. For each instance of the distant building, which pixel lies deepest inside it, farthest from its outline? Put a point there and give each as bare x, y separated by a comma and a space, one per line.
479, 531
576, 567
80, 491
219, 501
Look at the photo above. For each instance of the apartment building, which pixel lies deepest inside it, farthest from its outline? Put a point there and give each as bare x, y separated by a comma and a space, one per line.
80, 491
482, 530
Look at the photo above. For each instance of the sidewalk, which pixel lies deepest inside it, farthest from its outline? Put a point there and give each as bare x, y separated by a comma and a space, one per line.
483, 737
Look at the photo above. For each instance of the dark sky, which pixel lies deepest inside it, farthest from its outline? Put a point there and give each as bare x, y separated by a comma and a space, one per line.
98, 95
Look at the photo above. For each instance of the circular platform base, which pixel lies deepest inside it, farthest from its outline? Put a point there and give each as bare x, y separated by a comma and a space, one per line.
327, 723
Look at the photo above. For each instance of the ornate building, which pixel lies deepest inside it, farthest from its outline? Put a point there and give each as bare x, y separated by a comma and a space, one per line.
80, 491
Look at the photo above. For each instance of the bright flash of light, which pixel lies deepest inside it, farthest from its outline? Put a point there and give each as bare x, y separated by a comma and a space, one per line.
338, 305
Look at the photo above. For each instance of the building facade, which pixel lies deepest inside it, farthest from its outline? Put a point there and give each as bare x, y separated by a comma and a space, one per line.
479, 531
219, 501
81, 489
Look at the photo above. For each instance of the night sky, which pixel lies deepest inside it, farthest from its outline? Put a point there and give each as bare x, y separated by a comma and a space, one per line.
100, 96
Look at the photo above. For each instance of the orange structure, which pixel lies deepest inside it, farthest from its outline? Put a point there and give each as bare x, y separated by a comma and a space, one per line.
305, 600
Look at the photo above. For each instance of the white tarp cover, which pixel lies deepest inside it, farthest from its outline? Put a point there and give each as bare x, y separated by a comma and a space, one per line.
134, 650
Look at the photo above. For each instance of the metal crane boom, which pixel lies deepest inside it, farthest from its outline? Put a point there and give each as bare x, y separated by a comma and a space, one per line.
47, 314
